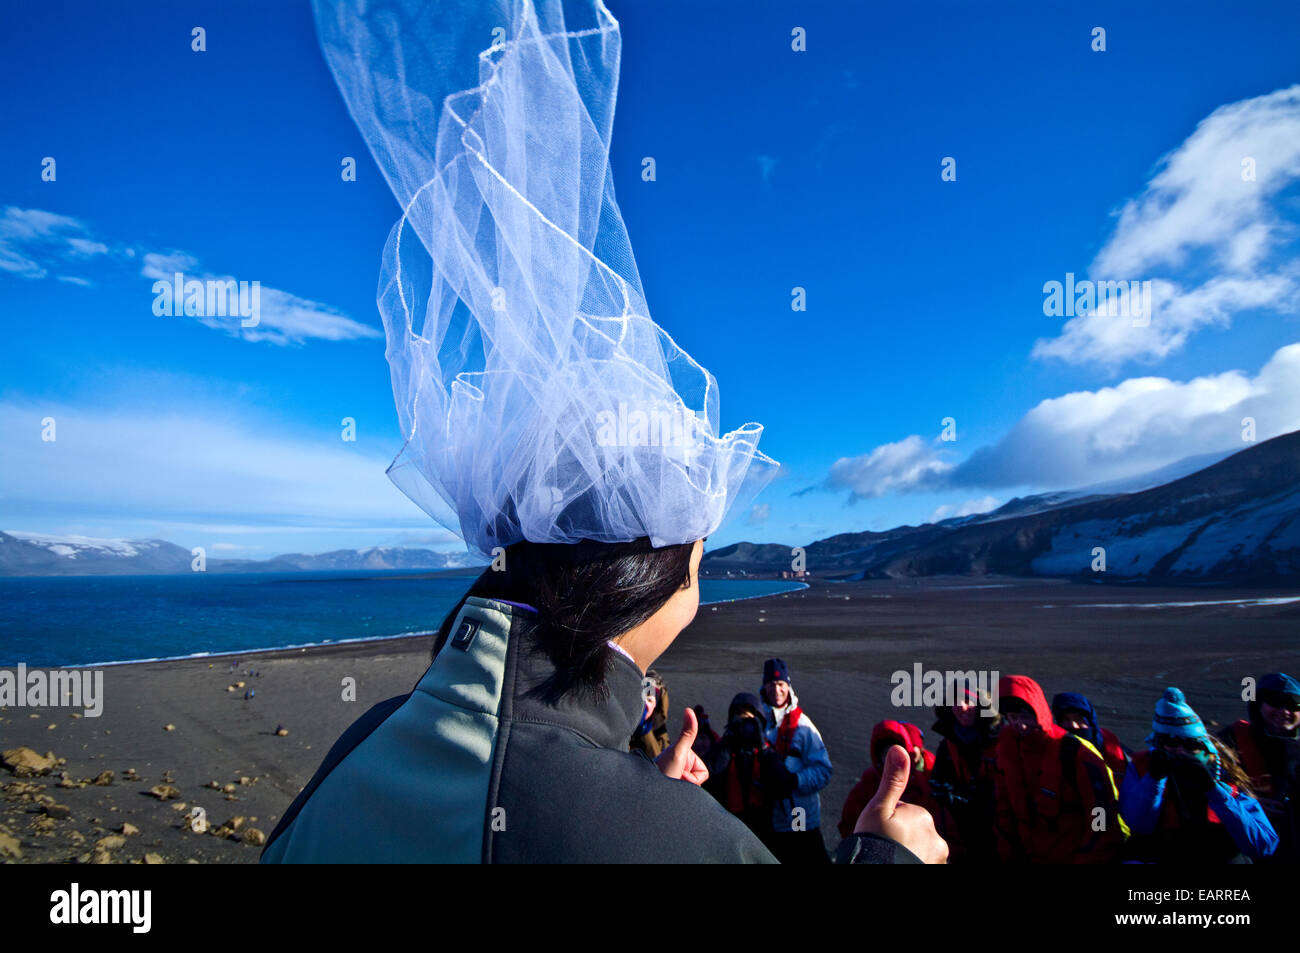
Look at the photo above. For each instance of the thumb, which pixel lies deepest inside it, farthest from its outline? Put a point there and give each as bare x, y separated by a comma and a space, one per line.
894, 776
690, 728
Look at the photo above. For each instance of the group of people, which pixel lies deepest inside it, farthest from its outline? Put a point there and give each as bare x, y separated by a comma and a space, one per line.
766, 767
1019, 781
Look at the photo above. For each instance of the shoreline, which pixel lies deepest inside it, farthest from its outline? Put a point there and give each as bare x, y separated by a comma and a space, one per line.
184, 724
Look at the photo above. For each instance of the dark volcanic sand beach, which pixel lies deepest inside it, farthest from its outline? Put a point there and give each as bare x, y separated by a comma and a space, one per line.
841, 640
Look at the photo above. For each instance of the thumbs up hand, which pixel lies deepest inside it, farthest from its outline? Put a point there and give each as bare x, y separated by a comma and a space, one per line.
678, 760
887, 816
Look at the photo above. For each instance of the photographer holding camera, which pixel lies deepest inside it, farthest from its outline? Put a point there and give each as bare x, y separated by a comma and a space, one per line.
748, 776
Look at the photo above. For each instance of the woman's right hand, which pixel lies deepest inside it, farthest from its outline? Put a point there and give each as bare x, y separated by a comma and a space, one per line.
679, 760
887, 816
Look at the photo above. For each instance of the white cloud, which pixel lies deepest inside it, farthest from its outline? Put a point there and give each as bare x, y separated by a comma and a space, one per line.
33, 240
86, 248
969, 508
1212, 244
1088, 437
164, 266
283, 318
759, 514
906, 466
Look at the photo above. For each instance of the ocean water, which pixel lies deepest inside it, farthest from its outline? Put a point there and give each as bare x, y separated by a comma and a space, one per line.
88, 620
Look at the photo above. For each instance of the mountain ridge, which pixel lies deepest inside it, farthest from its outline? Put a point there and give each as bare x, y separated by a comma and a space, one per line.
35, 554
1236, 520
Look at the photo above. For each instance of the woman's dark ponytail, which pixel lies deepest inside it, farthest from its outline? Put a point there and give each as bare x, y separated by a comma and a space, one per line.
585, 594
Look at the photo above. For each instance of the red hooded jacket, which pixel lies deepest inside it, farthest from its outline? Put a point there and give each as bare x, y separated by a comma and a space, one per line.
883, 736
968, 828
1048, 784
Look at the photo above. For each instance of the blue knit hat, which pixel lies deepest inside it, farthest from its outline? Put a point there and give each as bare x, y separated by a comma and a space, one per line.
775, 670
1280, 683
1175, 718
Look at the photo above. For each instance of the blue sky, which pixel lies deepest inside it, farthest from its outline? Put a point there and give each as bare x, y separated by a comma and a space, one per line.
775, 169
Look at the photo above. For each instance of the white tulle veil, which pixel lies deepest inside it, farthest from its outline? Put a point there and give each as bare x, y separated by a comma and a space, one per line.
537, 397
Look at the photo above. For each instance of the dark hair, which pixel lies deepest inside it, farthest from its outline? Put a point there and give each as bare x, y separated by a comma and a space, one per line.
1231, 769
585, 594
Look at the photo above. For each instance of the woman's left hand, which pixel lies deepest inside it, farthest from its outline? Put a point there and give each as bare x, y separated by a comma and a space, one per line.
679, 761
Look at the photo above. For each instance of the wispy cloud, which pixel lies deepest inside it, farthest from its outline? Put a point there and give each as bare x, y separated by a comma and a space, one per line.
906, 466
1213, 242
33, 241
283, 318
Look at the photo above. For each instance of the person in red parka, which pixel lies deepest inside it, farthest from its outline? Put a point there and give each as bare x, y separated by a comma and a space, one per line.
883, 737
962, 782
1057, 802
1267, 744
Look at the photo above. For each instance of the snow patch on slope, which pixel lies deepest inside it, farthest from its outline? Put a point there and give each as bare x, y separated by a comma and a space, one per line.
70, 546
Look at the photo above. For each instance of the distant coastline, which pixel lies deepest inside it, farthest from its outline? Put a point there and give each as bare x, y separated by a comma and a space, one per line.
96, 621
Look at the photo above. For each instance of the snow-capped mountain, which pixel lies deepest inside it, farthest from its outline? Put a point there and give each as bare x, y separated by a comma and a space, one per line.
34, 554
1236, 520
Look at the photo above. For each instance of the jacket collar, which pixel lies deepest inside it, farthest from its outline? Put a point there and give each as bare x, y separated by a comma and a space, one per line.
607, 720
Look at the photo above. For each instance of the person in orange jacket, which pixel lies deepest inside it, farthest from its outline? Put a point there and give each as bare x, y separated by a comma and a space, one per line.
883, 736
1057, 802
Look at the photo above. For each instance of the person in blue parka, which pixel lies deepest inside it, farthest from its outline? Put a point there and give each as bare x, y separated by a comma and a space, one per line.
1186, 799
796, 835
